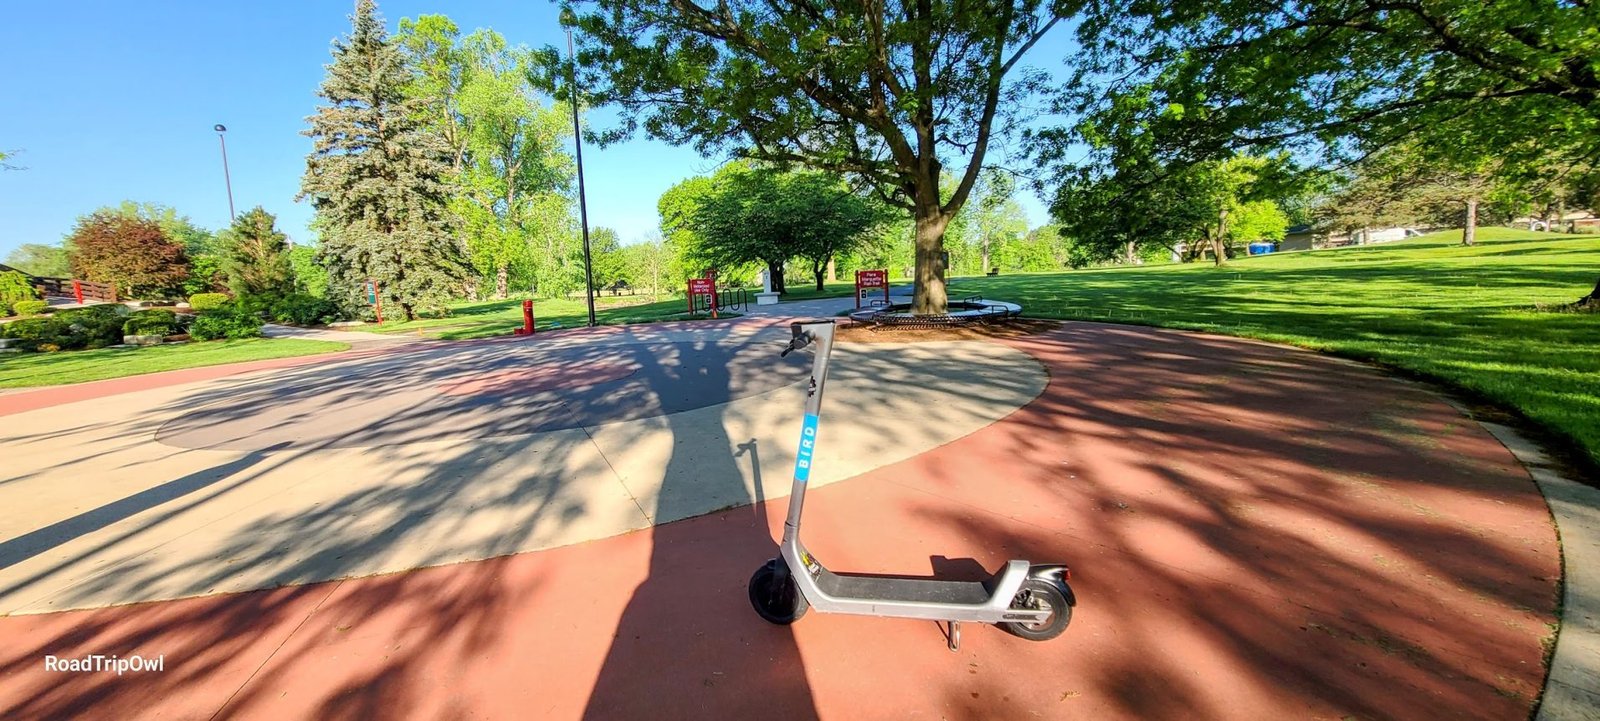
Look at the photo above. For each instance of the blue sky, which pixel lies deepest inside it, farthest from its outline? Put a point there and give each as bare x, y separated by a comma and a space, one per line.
113, 101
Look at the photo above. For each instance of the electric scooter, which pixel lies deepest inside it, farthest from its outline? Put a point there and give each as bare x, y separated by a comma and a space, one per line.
1032, 601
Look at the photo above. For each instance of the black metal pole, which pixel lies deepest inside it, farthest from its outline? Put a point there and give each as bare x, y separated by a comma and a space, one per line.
583, 207
226, 178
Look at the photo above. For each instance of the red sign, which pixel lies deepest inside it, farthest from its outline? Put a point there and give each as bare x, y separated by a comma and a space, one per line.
706, 287
867, 280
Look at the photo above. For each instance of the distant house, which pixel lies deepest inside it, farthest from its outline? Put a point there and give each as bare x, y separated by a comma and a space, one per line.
1572, 222
1306, 237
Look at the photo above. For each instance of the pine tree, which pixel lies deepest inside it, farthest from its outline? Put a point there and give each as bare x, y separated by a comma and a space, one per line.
256, 256
377, 178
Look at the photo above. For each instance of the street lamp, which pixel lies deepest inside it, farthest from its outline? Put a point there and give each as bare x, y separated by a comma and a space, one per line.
225, 178
568, 18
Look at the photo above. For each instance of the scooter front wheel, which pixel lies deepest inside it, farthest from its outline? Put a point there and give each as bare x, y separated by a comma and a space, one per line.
777, 602
1037, 595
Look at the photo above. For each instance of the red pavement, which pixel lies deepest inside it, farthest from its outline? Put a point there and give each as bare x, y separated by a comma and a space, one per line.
1254, 532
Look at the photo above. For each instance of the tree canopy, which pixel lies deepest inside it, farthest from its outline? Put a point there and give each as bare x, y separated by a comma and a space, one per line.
255, 256
132, 254
377, 178
884, 92
747, 214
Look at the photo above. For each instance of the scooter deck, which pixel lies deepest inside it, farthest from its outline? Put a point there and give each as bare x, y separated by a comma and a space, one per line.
919, 590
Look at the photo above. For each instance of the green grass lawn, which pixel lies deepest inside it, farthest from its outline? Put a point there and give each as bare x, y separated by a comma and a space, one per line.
501, 317
22, 370
1470, 317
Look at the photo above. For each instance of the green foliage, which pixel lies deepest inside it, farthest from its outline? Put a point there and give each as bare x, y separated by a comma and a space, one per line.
309, 275
255, 256
377, 178
44, 261
610, 265
649, 266
152, 321
205, 275
755, 215
95, 326
880, 92
31, 333
228, 321
1465, 79
134, 255
196, 241
207, 301
30, 307
302, 309
14, 288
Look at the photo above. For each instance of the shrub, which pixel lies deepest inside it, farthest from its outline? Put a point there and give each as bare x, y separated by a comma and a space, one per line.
303, 309
96, 326
228, 321
155, 321
30, 307
14, 287
31, 333
207, 301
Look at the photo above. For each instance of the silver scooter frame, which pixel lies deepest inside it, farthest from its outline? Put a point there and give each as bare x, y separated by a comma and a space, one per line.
890, 596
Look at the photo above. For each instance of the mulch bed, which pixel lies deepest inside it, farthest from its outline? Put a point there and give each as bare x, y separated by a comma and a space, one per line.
1009, 328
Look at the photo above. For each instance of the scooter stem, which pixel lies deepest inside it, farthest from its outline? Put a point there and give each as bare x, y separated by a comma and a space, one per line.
806, 333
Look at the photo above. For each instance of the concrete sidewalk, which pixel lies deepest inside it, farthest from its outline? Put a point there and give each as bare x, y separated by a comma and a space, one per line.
447, 453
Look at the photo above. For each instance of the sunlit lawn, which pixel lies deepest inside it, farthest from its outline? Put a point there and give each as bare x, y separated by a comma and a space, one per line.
501, 317
1467, 316
21, 370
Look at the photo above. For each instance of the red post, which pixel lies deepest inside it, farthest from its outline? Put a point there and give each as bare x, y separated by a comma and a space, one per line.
77, 291
527, 318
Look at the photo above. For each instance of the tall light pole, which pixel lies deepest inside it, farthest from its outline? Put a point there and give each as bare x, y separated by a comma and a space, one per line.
225, 178
567, 18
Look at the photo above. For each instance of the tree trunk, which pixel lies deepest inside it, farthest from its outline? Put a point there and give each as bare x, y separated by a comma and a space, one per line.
833, 272
821, 274
1592, 300
775, 272
1469, 234
985, 254
501, 280
1219, 247
930, 297
1131, 256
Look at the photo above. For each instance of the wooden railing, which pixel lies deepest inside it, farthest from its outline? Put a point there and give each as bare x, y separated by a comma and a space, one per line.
81, 291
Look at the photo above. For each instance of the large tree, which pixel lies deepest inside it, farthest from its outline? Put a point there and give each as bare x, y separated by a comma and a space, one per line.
377, 178
1463, 80
255, 256
885, 91
45, 261
766, 216
477, 94
132, 254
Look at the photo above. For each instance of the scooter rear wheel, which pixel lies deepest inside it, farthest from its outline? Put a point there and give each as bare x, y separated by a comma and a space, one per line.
1037, 595
780, 603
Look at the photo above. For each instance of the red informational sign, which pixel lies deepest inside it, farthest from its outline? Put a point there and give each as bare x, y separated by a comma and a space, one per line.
871, 280
706, 287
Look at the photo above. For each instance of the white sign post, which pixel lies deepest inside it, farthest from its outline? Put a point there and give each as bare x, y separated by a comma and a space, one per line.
766, 296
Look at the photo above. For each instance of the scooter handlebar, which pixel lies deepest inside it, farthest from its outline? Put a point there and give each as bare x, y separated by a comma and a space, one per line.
802, 337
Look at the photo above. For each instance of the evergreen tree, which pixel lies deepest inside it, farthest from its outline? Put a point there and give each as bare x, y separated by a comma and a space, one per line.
377, 178
255, 256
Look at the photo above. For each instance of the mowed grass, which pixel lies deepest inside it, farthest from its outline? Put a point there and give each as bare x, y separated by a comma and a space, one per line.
24, 370
1470, 317
502, 317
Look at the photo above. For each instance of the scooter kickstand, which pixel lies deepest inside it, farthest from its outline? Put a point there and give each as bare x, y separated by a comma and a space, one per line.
954, 637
